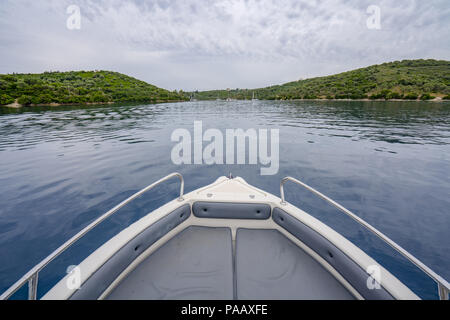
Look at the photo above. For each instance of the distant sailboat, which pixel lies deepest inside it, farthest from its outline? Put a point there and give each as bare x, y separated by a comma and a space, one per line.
253, 97
228, 96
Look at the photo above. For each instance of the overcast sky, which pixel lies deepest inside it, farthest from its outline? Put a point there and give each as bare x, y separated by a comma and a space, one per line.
207, 44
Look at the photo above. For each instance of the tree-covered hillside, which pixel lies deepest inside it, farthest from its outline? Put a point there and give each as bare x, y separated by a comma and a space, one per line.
79, 87
407, 79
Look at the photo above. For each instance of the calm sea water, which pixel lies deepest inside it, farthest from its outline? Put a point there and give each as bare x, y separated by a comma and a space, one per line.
60, 168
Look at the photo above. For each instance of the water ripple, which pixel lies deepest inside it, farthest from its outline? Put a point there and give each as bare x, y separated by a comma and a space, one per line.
62, 167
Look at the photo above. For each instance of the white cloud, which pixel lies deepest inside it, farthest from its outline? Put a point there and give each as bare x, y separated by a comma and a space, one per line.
209, 44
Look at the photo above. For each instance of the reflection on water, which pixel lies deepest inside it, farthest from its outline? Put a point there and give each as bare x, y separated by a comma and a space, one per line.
387, 161
404, 122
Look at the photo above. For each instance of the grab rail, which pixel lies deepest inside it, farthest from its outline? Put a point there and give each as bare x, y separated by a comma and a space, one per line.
443, 285
32, 276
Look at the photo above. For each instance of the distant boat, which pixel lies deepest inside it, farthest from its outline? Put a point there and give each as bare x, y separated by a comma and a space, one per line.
228, 97
253, 97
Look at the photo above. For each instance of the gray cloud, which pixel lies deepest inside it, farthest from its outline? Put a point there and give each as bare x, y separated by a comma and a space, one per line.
193, 44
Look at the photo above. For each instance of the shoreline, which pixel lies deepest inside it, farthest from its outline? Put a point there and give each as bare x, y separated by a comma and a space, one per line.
438, 99
16, 105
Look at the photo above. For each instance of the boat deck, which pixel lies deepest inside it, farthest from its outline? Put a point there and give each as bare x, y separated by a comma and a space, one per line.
202, 263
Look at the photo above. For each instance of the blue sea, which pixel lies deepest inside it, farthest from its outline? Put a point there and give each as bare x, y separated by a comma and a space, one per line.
62, 167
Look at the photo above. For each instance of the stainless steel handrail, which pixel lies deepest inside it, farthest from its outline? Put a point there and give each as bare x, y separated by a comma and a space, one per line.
443, 285
32, 276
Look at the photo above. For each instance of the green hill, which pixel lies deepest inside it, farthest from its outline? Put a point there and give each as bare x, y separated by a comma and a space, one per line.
79, 87
407, 79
